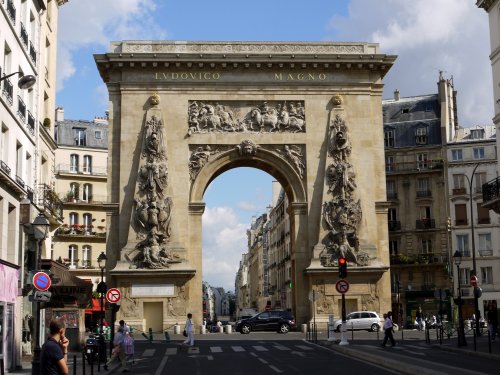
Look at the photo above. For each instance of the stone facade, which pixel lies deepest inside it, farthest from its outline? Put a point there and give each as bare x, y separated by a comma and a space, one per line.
181, 113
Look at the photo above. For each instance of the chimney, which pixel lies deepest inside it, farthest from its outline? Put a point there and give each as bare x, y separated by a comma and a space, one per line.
396, 95
59, 114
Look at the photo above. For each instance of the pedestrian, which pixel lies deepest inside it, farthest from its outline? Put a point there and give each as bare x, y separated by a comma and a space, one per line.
388, 328
124, 325
189, 331
118, 351
128, 345
492, 316
54, 353
419, 319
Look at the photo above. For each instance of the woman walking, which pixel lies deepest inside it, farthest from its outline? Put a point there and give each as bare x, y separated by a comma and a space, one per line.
388, 330
189, 331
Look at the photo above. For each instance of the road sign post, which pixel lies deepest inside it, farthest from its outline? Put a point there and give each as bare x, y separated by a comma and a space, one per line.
342, 287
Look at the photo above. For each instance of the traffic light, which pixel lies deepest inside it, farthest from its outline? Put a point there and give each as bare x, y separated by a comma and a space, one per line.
342, 268
448, 224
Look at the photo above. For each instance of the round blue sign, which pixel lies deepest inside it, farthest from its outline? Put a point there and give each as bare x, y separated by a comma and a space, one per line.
41, 281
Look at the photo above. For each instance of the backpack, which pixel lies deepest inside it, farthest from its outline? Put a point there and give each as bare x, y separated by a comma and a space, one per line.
128, 343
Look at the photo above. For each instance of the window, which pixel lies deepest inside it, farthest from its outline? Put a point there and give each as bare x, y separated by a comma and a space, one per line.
464, 276
463, 244
74, 191
393, 247
428, 280
391, 189
391, 214
421, 136
479, 153
87, 222
486, 275
480, 179
80, 137
86, 256
456, 154
459, 181
485, 248
483, 214
477, 134
421, 161
87, 192
426, 246
73, 256
98, 134
423, 187
87, 164
460, 214
73, 218
389, 164
74, 161
389, 138
425, 212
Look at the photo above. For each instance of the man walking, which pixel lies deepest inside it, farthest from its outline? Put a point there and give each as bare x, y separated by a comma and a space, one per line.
492, 322
388, 327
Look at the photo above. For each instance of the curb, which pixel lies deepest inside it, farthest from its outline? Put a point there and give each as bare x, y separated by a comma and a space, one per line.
471, 353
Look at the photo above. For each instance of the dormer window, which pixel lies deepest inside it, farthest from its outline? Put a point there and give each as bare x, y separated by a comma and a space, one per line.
421, 136
477, 134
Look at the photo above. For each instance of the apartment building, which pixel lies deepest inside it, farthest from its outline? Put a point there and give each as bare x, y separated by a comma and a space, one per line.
415, 132
81, 184
475, 230
28, 33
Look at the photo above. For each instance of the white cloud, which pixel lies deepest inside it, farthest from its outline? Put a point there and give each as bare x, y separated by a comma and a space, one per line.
428, 36
248, 206
97, 22
224, 240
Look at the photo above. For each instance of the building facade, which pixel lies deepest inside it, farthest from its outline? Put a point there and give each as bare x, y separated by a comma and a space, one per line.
415, 133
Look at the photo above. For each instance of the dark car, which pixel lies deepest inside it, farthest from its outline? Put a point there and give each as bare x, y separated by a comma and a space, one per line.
274, 320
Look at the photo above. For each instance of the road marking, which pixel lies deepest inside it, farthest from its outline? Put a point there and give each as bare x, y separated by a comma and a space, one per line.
259, 348
263, 361
252, 353
163, 362
298, 353
171, 351
238, 348
276, 369
416, 353
415, 347
216, 349
304, 347
149, 352
281, 347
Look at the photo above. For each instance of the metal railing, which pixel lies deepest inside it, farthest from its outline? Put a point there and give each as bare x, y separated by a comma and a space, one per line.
392, 195
491, 190
31, 123
11, 11
21, 108
4, 167
394, 225
414, 166
424, 193
8, 90
32, 53
425, 224
486, 253
24, 35
47, 198
68, 168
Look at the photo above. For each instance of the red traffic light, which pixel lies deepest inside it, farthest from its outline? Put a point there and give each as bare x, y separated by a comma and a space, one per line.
342, 268
342, 261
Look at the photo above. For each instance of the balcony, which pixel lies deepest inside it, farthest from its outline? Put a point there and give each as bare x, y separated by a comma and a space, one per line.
491, 195
21, 109
83, 231
414, 166
486, 253
425, 258
24, 35
394, 225
48, 199
74, 169
8, 90
32, 53
31, 123
11, 11
5, 168
459, 191
20, 181
425, 224
424, 193
392, 195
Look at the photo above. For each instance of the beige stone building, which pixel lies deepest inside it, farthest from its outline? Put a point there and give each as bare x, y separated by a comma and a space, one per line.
181, 113
256, 266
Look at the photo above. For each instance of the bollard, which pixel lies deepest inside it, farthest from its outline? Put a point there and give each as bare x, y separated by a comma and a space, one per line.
151, 335
167, 337
303, 328
229, 329
203, 329
378, 338
74, 364
177, 329
474, 334
145, 336
331, 331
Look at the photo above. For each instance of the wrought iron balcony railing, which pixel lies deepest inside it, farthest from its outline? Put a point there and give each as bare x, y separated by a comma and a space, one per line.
425, 224
68, 168
47, 198
24, 35
21, 108
414, 166
424, 193
425, 258
32, 53
31, 123
392, 195
20, 181
486, 253
11, 11
5, 168
394, 225
8, 90
491, 190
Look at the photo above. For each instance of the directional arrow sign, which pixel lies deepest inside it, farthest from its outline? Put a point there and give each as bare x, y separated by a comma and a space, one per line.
41, 296
41, 281
113, 295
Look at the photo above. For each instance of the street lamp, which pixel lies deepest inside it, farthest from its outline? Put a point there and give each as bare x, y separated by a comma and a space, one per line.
457, 257
25, 81
101, 288
40, 229
477, 313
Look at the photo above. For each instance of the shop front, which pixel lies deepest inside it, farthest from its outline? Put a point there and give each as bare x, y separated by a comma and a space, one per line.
9, 279
428, 304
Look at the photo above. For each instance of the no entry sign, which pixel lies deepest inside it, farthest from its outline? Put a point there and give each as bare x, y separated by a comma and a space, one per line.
113, 295
41, 281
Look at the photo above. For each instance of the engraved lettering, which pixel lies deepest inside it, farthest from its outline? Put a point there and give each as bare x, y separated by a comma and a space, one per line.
184, 76
290, 77
165, 75
278, 76
206, 75
216, 76
300, 77
311, 77
175, 75
322, 76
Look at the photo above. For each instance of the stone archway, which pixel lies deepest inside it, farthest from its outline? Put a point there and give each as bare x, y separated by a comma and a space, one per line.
181, 113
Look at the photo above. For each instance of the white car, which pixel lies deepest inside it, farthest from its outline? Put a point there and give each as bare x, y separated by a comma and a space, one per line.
368, 320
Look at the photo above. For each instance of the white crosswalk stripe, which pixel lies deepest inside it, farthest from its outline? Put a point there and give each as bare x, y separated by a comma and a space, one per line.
260, 348
281, 347
216, 349
149, 352
171, 351
304, 347
238, 348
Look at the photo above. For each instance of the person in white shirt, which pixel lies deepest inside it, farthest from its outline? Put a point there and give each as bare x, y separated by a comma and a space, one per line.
388, 326
189, 330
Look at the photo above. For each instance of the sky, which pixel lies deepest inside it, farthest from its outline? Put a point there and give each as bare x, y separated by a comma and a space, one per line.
428, 36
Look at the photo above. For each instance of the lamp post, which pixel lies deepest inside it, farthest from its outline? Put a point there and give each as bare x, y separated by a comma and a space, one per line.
40, 229
101, 288
477, 313
457, 257
25, 81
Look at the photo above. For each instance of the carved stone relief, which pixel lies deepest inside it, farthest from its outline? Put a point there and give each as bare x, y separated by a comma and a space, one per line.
342, 213
295, 157
153, 208
235, 116
128, 306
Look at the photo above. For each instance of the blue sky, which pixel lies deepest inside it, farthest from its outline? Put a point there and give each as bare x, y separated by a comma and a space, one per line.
427, 35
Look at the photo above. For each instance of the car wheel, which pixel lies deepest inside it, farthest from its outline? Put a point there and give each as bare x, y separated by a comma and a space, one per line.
246, 329
374, 327
284, 328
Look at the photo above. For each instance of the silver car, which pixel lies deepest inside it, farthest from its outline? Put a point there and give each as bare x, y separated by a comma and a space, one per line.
368, 320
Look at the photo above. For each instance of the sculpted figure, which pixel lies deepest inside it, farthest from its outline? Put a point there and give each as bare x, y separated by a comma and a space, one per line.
293, 154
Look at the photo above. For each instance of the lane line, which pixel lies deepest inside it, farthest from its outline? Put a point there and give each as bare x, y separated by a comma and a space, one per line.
275, 369
149, 352
163, 362
263, 361
238, 348
281, 347
260, 348
304, 347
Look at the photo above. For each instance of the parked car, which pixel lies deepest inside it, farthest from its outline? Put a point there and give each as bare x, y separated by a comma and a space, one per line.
368, 320
273, 320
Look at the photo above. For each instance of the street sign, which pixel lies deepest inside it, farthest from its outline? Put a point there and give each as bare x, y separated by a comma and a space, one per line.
440, 294
313, 296
473, 280
342, 286
40, 296
41, 281
113, 295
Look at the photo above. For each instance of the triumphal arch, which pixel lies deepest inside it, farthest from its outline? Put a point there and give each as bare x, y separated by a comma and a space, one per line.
182, 113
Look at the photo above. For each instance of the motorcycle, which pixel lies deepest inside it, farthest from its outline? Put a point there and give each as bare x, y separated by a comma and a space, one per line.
91, 349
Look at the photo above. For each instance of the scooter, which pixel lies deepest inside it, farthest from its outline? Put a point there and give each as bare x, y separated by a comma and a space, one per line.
91, 349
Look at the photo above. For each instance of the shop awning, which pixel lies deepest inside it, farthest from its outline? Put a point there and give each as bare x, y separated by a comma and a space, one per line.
96, 306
